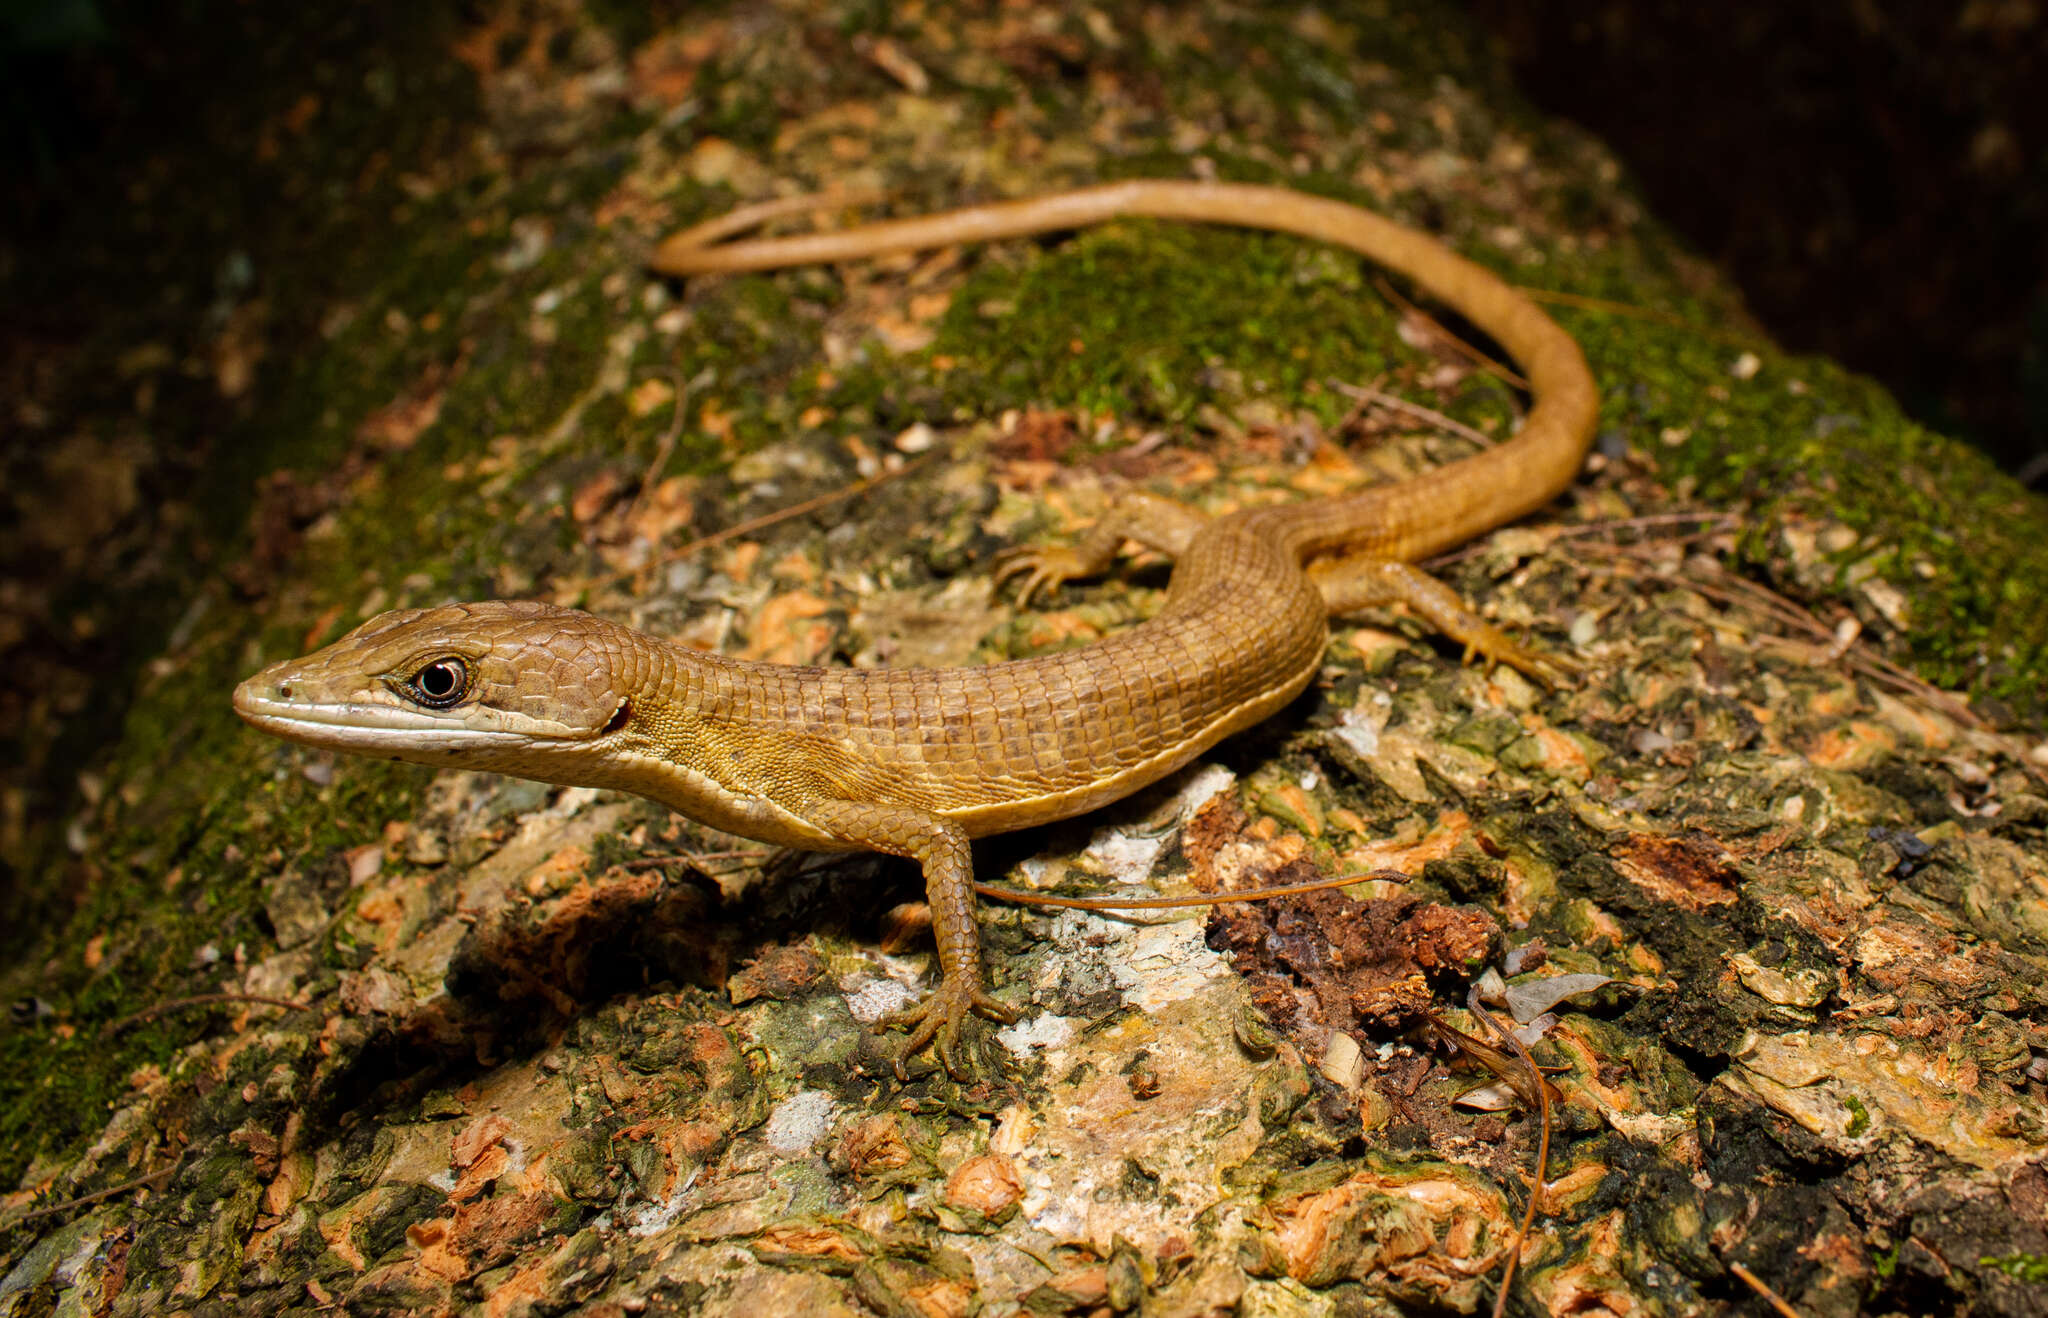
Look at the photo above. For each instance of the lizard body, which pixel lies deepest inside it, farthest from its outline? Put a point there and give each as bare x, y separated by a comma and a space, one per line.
915, 762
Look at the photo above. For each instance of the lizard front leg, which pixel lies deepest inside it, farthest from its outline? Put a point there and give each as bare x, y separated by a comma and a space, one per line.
1155, 522
941, 849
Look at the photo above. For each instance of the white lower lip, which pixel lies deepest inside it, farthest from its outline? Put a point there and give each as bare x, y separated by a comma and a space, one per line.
366, 729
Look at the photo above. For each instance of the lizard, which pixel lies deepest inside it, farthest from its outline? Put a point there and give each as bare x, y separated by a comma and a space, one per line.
917, 762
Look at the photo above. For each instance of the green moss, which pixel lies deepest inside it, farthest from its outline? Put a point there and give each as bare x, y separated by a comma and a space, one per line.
1859, 1116
1803, 437
1152, 322
2029, 1268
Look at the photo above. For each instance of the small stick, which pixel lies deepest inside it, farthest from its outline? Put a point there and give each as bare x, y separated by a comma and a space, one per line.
1379, 398
52, 1210
1507, 1036
752, 524
112, 1028
1771, 1297
1199, 899
1464, 349
1584, 303
694, 857
720, 227
666, 448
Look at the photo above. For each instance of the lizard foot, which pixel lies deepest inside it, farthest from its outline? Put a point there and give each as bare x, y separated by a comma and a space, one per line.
1044, 569
1550, 671
937, 1021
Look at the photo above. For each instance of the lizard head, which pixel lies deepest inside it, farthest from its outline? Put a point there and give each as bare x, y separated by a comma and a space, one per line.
501, 685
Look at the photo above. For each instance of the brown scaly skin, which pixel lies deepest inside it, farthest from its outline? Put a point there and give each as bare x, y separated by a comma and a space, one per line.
915, 762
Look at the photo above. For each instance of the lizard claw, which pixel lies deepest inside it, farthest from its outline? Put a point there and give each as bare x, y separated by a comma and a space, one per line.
1550, 671
937, 1021
1492, 646
1044, 569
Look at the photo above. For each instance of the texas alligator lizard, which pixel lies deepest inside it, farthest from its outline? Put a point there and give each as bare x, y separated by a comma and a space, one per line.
915, 762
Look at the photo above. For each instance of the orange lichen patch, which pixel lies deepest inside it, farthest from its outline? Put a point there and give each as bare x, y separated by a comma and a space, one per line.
1918, 963
930, 1294
1590, 1284
1298, 806
1584, 1060
436, 1258
684, 1147
1813, 1077
796, 566
557, 873
715, 422
665, 69
1371, 644
788, 630
294, 1177
649, 394
1076, 1290
874, 1145
1421, 1233
659, 514
1562, 757
1452, 828
343, 1228
397, 424
382, 905
1053, 630
1347, 819
476, 1139
567, 1271
1829, 701
1917, 724
739, 559
1563, 1193
809, 1240
1852, 745
1329, 470
988, 1184
1686, 872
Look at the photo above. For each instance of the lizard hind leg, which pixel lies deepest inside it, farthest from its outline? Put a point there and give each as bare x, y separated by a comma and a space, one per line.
1151, 520
1361, 581
940, 849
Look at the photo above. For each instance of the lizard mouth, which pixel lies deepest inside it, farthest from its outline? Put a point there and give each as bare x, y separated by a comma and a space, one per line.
364, 727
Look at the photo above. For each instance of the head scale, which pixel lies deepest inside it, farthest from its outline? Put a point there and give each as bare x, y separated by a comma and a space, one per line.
500, 685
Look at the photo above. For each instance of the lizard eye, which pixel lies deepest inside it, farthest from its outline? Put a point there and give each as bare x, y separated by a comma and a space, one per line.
441, 683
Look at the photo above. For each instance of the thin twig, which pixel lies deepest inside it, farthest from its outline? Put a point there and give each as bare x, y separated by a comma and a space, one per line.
1359, 406
1462, 348
1862, 660
1712, 521
694, 858
1712, 524
1199, 899
1771, 1297
667, 447
1629, 309
753, 524
112, 1028
721, 227
85, 1200
1859, 656
1380, 398
1542, 1086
